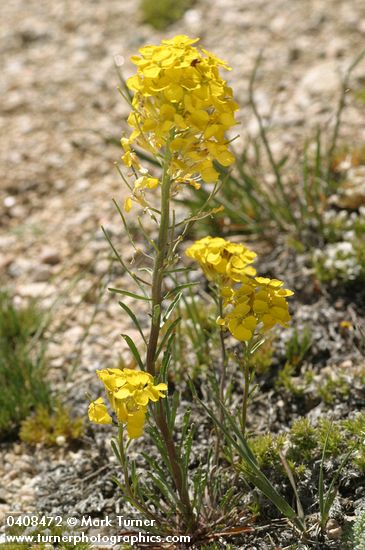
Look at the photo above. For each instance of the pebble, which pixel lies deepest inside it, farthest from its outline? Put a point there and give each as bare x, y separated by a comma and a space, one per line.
323, 78
36, 290
333, 529
42, 273
50, 256
60, 440
9, 202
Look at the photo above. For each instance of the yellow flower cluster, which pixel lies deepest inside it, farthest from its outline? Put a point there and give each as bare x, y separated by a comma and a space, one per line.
258, 304
129, 392
182, 104
222, 260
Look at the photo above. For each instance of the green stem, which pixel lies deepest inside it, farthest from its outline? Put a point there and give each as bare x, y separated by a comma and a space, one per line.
157, 299
223, 353
158, 268
246, 392
127, 488
222, 382
176, 471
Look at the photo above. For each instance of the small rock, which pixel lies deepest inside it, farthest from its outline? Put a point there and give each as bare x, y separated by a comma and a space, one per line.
346, 364
42, 273
18, 211
60, 440
36, 290
50, 256
335, 534
101, 267
320, 79
74, 334
193, 18
9, 202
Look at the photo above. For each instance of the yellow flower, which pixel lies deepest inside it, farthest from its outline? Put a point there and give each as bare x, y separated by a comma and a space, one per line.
135, 423
128, 204
129, 392
221, 260
257, 306
98, 412
182, 103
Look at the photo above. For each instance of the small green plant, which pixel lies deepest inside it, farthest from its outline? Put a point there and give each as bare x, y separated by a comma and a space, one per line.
333, 386
266, 448
303, 441
298, 346
359, 531
288, 381
296, 349
56, 427
326, 496
163, 13
340, 262
22, 365
355, 428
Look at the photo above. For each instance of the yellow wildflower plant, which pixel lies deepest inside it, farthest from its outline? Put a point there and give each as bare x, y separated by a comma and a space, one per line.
257, 306
222, 261
181, 107
129, 392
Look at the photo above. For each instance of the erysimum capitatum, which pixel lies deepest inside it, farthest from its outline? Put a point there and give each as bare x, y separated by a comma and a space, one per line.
181, 106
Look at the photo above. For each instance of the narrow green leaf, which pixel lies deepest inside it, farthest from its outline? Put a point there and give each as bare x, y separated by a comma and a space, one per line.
172, 306
114, 446
134, 350
134, 319
168, 333
130, 294
180, 287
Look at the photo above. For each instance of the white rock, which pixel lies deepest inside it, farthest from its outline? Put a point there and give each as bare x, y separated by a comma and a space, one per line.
323, 78
9, 201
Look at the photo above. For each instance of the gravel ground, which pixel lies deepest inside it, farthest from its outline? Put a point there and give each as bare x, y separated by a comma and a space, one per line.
60, 107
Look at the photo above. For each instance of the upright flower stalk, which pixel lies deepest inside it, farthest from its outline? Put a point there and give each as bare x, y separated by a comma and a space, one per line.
249, 306
156, 308
158, 268
181, 110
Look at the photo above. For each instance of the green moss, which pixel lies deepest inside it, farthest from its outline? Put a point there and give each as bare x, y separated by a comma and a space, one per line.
46, 427
355, 428
359, 531
162, 13
298, 346
332, 387
303, 441
296, 349
266, 449
331, 434
286, 380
